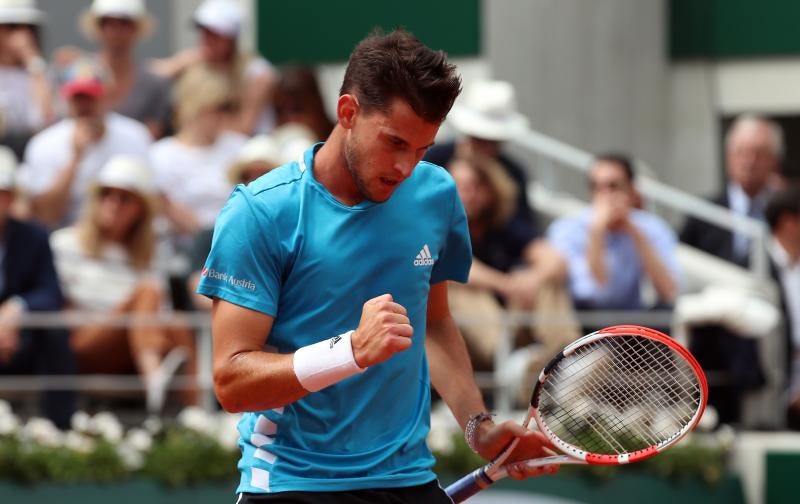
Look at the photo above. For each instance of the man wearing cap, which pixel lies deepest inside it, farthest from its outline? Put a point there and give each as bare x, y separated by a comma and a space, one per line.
63, 160
25, 94
28, 283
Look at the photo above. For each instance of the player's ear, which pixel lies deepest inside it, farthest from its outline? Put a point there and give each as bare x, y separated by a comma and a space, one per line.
347, 109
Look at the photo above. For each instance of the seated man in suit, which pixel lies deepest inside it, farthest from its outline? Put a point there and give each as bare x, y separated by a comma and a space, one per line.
28, 282
753, 153
783, 217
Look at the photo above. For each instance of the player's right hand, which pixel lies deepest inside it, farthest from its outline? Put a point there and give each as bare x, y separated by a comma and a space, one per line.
383, 331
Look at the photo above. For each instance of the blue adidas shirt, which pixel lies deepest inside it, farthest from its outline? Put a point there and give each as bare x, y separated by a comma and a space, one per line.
286, 247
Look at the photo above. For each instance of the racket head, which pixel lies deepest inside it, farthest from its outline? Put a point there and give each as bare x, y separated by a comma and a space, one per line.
619, 395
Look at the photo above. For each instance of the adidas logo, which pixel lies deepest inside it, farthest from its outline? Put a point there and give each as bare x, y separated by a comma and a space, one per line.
424, 257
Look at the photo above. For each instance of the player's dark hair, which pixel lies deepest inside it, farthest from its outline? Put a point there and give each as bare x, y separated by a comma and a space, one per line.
397, 65
785, 201
619, 159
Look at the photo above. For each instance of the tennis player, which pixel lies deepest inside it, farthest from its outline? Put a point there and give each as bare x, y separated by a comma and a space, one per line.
330, 316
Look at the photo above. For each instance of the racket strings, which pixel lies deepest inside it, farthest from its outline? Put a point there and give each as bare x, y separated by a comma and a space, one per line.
620, 394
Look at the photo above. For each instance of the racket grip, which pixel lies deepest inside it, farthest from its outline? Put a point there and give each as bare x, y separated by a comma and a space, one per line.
468, 485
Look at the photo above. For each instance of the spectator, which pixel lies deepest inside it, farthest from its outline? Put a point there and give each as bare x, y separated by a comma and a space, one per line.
753, 153
105, 263
258, 156
512, 266
252, 77
133, 91
28, 283
298, 100
486, 116
190, 168
26, 101
63, 160
783, 215
612, 247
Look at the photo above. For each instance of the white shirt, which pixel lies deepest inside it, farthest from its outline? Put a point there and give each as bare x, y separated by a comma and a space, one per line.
18, 110
94, 283
196, 177
49, 151
789, 274
740, 203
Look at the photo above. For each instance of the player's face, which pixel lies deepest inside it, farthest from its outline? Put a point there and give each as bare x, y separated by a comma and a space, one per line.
382, 148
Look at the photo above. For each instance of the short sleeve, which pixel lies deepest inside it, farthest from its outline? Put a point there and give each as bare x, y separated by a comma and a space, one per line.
455, 257
245, 264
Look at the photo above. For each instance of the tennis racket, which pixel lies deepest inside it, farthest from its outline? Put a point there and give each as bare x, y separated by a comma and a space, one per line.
615, 396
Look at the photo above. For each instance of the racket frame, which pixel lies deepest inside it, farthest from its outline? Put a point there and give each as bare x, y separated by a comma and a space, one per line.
625, 458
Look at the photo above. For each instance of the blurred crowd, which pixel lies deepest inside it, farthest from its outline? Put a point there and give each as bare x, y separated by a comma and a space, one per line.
112, 171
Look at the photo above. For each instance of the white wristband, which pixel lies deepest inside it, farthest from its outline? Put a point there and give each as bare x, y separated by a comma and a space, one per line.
325, 363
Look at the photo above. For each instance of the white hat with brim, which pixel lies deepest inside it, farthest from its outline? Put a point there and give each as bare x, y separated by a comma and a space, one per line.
8, 169
223, 17
123, 9
128, 173
20, 12
488, 111
259, 149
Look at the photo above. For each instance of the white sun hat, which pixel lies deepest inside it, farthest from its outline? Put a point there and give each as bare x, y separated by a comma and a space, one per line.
20, 12
223, 17
134, 10
129, 173
488, 110
8, 169
259, 149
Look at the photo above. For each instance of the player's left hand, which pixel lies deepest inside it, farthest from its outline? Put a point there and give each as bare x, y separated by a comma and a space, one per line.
493, 438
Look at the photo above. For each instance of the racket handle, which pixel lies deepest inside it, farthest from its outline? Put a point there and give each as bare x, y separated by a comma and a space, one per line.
469, 485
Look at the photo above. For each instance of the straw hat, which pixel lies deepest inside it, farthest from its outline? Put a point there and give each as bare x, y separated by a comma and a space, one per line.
488, 110
259, 149
20, 12
8, 169
123, 9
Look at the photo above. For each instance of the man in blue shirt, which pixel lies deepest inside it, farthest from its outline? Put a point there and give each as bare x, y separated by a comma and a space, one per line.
339, 263
613, 246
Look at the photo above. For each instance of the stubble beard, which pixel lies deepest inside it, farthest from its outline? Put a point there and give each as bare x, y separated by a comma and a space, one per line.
353, 161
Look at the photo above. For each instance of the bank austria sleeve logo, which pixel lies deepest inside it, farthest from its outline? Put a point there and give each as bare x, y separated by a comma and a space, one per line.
241, 283
424, 258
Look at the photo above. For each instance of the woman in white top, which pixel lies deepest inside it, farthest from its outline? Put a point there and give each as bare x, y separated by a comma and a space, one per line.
253, 78
106, 264
190, 168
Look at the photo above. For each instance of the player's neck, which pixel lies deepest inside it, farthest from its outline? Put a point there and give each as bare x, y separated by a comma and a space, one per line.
330, 169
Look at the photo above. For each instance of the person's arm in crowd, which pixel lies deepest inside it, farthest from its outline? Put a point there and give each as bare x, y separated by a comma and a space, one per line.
173, 66
543, 265
182, 218
655, 269
453, 378
50, 206
483, 276
595, 254
22, 42
256, 95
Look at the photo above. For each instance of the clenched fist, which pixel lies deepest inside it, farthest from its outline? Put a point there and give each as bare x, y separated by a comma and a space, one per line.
383, 331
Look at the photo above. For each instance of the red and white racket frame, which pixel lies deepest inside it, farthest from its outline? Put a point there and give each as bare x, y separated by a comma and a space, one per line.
620, 330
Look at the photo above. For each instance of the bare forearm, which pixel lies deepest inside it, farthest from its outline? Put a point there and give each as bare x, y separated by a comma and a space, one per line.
256, 381
484, 276
42, 95
547, 262
654, 267
451, 370
595, 256
50, 206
